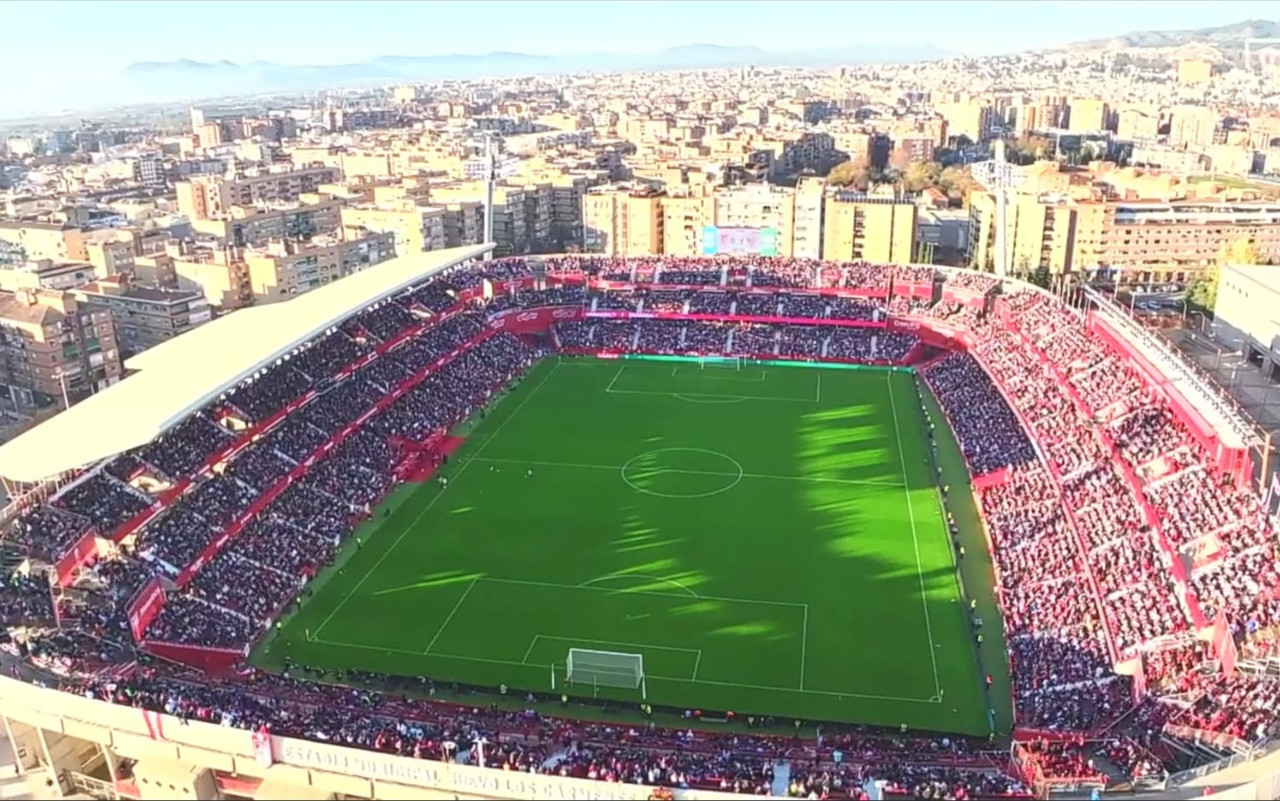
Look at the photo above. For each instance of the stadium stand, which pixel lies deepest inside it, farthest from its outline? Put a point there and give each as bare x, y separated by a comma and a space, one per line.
1122, 632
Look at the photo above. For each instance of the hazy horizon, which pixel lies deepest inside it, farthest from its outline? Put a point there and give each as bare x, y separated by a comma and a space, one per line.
81, 64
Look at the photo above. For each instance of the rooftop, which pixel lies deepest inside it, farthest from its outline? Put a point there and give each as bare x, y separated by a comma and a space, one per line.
147, 293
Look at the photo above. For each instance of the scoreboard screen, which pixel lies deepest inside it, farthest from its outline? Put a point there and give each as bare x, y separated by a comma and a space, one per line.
739, 241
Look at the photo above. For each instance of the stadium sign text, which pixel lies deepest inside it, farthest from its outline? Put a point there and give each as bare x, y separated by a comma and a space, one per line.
443, 776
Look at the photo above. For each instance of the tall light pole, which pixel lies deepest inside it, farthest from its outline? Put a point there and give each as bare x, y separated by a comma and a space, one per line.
490, 182
62, 382
1000, 178
492, 169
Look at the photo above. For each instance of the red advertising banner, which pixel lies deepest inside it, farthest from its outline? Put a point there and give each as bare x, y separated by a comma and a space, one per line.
85, 551
965, 297
210, 660
880, 292
528, 321
144, 607
905, 290
734, 318
933, 332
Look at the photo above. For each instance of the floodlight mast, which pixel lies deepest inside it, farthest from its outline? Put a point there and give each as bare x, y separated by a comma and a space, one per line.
1000, 178
490, 181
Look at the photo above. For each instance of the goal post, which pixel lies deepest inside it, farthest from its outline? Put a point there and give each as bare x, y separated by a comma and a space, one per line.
721, 362
596, 669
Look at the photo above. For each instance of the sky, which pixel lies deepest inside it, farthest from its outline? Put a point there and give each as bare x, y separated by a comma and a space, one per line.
72, 52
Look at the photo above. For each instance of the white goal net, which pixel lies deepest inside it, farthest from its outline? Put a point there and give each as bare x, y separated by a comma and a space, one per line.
721, 362
605, 669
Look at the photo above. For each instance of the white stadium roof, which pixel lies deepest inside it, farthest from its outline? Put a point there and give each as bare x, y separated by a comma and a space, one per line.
179, 377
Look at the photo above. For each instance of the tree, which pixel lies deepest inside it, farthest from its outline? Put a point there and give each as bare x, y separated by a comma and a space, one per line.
855, 173
1203, 291
900, 159
957, 183
921, 174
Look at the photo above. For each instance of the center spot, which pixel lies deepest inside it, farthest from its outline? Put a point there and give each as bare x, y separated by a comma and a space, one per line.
682, 473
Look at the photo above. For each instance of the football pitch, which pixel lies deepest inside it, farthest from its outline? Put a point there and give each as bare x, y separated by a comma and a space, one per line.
768, 538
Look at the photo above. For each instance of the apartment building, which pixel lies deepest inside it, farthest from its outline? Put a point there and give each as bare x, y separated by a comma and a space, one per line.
806, 235
463, 223
413, 226
1087, 115
758, 206
287, 268
810, 220
145, 316
1153, 241
219, 274
1137, 124
970, 118
45, 274
1194, 72
54, 349
622, 220
1040, 233
858, 227
208, 197
1190, 126
1143, 240
683, 220
112, 256
251, 226
45, 240
516, 217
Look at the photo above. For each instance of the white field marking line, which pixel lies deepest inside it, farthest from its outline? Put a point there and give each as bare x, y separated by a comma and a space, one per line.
638, 646
513, 663
705, 395
696, 663
412, 525
915, 539
613, 576
550, 585
679, 472
818, 399
804, 644
452, 612
514, 412
703, 374
616, 376
384, 556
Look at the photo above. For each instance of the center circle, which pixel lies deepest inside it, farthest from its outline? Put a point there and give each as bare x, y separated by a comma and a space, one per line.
682, 473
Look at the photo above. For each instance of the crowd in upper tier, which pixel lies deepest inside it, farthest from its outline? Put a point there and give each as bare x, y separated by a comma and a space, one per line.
1088, 480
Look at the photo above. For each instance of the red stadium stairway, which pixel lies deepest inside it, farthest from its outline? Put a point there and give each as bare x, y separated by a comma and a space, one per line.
427, 460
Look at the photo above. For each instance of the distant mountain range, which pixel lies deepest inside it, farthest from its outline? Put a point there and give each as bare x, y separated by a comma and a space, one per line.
1224, 37
175, 80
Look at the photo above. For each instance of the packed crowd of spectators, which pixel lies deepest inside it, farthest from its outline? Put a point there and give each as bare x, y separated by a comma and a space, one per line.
301, 529
26, 598
736, 339
1082, 577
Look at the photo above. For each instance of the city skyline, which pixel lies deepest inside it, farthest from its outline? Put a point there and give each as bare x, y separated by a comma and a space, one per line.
342, 33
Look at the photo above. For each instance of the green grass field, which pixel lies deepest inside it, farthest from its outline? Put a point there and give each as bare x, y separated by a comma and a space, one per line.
770, 539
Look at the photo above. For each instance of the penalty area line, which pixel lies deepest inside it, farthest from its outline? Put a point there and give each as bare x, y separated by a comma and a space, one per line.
710, 682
